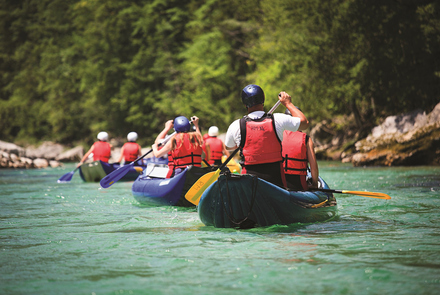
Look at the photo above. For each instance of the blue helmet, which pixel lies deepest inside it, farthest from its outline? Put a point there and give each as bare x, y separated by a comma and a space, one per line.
252, 95
181, 124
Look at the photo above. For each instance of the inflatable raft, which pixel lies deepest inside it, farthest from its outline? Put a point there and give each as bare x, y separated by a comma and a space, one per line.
95, 171
246, 201
154, 189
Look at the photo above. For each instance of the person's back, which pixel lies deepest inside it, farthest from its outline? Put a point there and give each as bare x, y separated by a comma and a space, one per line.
216, 146
184, 148
295, 159
298, 153
259, 135
187, 150
101, 149
130, 151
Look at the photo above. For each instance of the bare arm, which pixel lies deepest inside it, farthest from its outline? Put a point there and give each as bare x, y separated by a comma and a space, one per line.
208, 152
163, 151
311, 157
285, 99
86, 156
225, 151
168, 125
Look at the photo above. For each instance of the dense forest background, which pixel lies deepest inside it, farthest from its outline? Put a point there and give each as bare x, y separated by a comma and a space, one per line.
72, 68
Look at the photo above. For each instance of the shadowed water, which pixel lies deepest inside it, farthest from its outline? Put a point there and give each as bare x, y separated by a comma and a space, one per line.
75, 238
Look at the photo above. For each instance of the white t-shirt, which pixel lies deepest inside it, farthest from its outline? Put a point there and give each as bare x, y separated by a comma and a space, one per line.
282, 122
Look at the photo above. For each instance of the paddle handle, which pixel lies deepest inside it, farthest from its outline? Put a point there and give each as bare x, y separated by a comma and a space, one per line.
274, 107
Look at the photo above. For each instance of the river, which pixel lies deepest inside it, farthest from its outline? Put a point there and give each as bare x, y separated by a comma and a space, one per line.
75, 238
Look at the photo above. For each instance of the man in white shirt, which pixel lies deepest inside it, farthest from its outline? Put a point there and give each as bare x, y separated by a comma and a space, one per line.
263, 134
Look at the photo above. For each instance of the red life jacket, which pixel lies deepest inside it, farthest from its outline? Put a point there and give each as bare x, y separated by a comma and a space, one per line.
170, 165
185, 153
216, 146
101, 151
259, 141
295, 152
131, 151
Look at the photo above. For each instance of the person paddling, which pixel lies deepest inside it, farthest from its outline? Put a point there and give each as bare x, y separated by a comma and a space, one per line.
298, 151
216, 146
130, 151
101, 149
259, 135
185, 146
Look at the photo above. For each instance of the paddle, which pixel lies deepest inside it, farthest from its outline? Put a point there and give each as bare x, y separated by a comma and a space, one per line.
359, 193
195, 192
116, 175
67, 177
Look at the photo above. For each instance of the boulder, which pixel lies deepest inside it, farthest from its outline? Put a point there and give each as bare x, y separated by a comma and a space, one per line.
407, 139
72, 155
47, 150
11, 148
41, 163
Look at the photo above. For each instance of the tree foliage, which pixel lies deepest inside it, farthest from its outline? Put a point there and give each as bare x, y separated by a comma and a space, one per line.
71, 68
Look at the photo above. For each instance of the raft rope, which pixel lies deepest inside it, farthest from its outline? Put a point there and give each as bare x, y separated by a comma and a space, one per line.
230, 212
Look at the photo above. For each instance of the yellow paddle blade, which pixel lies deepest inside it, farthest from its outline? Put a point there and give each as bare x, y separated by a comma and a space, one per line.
368, 194
195, 192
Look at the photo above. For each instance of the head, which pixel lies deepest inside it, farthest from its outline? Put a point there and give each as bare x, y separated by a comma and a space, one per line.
102, 136
213, 131
182, 124
132, 136
252, 95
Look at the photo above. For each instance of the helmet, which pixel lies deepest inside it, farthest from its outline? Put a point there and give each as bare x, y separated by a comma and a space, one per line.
213, 131
103, 136
181, 124
132, 136
252, 95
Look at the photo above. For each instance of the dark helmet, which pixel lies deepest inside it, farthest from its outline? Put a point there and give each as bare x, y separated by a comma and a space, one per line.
252, 95
181, 124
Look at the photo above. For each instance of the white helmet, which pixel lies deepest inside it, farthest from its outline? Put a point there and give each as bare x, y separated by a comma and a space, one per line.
213, 131
103, 136
132, 136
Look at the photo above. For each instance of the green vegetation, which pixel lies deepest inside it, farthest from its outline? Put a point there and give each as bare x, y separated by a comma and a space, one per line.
72, 68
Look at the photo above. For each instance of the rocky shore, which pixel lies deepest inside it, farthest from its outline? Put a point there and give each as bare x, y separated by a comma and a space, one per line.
402, 140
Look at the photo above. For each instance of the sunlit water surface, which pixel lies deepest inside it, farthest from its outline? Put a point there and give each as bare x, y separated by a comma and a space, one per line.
75, 238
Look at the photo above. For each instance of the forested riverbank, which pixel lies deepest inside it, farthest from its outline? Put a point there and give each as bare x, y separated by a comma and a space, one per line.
72, 68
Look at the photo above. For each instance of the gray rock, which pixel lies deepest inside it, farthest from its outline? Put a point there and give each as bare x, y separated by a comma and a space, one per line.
41, 163
47, 150
11, 148
72, 155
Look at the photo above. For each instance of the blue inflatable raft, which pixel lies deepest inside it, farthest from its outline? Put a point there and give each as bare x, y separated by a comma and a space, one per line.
246, 201
153, 188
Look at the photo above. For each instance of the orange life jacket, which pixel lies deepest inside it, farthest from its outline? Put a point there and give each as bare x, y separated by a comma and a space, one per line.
259, 140
216, 146
131, 151
185, 153
101, 151
295, 153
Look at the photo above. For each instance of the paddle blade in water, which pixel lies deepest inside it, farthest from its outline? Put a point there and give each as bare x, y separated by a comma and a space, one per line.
66, 177
195, 192
368, 194
113, 177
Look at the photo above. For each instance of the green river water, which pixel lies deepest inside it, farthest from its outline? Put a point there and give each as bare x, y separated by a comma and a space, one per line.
75, 238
